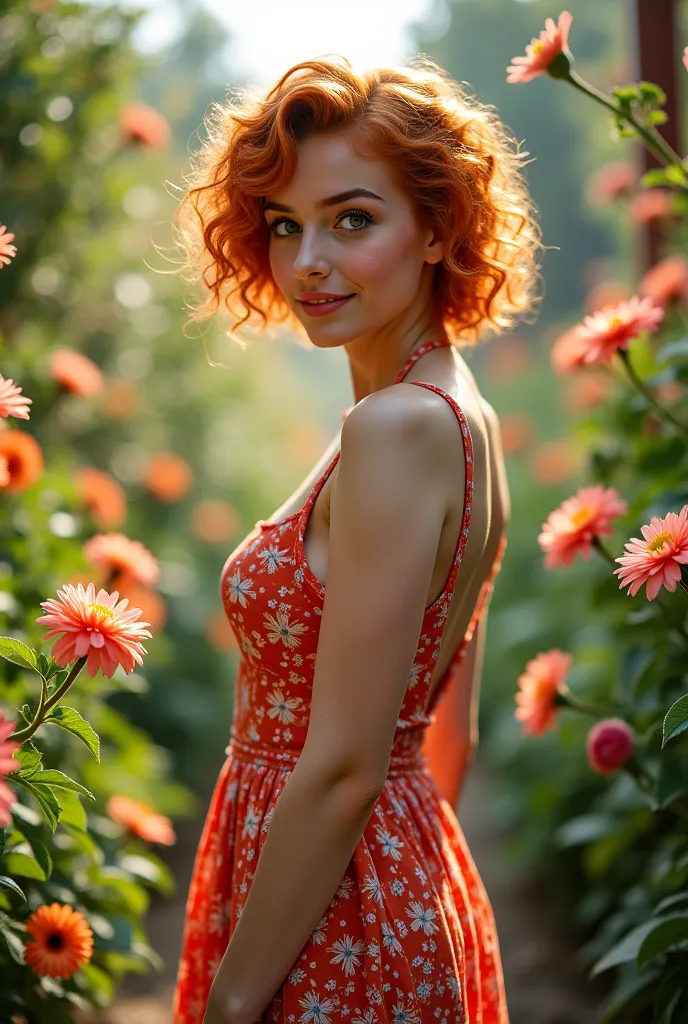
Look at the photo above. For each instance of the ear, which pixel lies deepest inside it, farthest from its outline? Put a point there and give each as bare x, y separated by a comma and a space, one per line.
434, 246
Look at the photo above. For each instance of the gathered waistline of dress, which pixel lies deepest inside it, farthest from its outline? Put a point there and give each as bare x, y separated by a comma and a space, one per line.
284, 758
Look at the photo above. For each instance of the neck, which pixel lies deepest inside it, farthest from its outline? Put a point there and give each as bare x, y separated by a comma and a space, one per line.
375, 362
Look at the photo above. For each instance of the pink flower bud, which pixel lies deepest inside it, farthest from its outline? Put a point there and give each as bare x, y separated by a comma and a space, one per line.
609, 745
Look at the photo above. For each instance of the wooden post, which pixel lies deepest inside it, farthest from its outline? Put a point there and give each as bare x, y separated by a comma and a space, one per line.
657, 59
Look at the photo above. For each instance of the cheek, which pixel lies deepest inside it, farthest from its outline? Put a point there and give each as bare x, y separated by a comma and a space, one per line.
390, 258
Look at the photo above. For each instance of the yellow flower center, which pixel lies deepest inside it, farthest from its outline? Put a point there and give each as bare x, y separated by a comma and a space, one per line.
105, 612
537, 48
580, 516
659, 541
615, 321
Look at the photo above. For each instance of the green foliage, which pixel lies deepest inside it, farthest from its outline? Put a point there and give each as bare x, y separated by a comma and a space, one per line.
615, 847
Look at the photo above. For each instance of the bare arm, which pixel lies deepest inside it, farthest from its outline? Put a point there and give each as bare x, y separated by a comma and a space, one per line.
382, 549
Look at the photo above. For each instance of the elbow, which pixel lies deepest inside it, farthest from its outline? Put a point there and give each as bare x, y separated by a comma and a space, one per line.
359, 785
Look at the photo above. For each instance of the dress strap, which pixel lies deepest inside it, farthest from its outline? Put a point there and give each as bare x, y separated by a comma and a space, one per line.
417, 353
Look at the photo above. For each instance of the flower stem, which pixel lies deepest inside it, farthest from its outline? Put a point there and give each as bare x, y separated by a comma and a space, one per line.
598, 710
597, 543
642, 387
651, 138
45, 706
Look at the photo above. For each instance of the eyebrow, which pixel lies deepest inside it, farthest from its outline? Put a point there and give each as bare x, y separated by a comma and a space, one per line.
341, 197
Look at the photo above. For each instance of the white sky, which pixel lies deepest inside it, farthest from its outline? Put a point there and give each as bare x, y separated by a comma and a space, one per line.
271, 35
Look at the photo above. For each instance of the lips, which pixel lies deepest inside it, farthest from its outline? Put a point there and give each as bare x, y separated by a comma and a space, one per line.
322, 299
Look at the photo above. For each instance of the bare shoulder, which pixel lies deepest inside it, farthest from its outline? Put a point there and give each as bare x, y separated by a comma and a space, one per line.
402, 411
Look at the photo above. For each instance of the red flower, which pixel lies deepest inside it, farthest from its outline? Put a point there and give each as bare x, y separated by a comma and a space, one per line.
116, 553
609, 745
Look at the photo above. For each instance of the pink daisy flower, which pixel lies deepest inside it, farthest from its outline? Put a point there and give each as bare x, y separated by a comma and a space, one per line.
8, 764
115, 552
569, 350
545, 676
12, 402
94, 626
571, 529
612, 327
685, 57
541, 52
655, 560
7, 251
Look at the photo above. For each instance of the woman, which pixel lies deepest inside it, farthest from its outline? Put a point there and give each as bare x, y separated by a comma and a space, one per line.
385, 213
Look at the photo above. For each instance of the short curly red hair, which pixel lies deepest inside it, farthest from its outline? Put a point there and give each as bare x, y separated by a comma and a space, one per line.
451, 153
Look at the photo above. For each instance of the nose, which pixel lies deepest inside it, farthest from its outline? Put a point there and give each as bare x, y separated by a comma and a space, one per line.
310, 258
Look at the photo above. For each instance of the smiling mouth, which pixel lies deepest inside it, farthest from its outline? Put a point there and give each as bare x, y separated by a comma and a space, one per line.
323, 302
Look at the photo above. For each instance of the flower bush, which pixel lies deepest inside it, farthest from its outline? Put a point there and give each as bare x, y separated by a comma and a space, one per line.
630, 831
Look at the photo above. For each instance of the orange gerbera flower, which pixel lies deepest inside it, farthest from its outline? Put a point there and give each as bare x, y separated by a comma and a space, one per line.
141, 819
12, 402
168, 476
571, 529
651, 204
612, 327
23, 457
7, 251
8, 764
214, 520
76, 372
545, 676
655, 560
96, 626
149, 601
540, 53
667, 281
114, 552
610, 181
103, 496
144, 125
62, 941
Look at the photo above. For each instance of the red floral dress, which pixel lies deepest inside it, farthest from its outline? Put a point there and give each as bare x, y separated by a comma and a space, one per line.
409, 936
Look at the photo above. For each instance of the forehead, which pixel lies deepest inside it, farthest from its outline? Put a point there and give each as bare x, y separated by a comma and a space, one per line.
332, 162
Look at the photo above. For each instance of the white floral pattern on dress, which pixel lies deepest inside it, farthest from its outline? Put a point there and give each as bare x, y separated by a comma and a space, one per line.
409, 936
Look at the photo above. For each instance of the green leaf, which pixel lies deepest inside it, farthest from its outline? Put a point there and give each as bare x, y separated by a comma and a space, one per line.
14, 943
112, 933
675, 720
23, 864
625, 950
677, 899
673, 777
45, 798
674, 350
18, 653
54, 778
9, 883
42, 855
30, 761
668, 933
73, 812
650, 92
71, 721
657, 176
